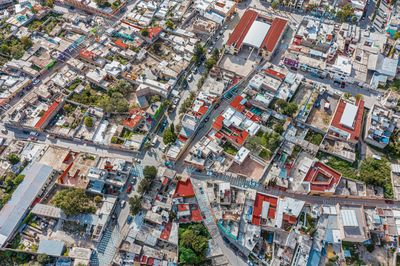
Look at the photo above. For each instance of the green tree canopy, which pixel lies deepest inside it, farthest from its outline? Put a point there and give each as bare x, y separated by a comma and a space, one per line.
13, 158
188, 257
89, 121
73, 201
170, 24
150, 172
136, 203
144, 186
26, 42
145, 32
169, 135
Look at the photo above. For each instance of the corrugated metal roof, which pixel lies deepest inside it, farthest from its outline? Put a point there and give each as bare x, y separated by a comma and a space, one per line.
36, 176
349, 218
349, 115
51, 247
256, 34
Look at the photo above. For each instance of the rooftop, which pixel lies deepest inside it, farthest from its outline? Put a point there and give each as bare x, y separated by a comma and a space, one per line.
242, 28
348, 118
264, 204
36, 175
322, 178
275, 32
184, 189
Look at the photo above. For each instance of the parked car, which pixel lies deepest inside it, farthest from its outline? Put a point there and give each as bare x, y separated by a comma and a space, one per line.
122, 203
33, 133
154, 142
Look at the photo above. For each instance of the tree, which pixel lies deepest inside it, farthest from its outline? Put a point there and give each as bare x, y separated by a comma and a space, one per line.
345, 13
278, 128
157, 48
359, 97
274, 4
396, 36
144, 186
120, 86
210, 63
101, 3
347, 95
98, 199
73, 201
188, 257
136, 203
286, 108
26, 42
169, 135
145, 32
155, 98
216, 54
375, 172
193, 244
170, 24
378, 173
13, 158
290, 109
199, 53
43, 259
116, 103
150, 172
88, 121
18, 179
49, 3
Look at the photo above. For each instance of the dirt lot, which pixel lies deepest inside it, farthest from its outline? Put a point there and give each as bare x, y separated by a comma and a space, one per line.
248, 168
320, 117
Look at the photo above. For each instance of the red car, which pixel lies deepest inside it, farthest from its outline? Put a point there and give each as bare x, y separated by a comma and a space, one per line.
129, 189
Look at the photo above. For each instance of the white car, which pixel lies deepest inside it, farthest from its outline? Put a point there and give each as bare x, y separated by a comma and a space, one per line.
33, 133
122, 203
190, 77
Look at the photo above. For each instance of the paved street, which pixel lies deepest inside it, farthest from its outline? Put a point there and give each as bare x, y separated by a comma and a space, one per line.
209, 222
245, 184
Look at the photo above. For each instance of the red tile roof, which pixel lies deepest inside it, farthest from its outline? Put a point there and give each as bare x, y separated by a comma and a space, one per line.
238, 136
49, 112
236, 103
183, 207
133, 120
153, 32
184, 189
218, 123
196, 216
321, 177
121, 44
87, 54
356, 131
202, 110
241, 29
274, 73
166, 231
289, 218
257, 208
274, 34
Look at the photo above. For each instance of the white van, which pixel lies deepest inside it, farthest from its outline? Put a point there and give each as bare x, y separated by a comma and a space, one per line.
154, 142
